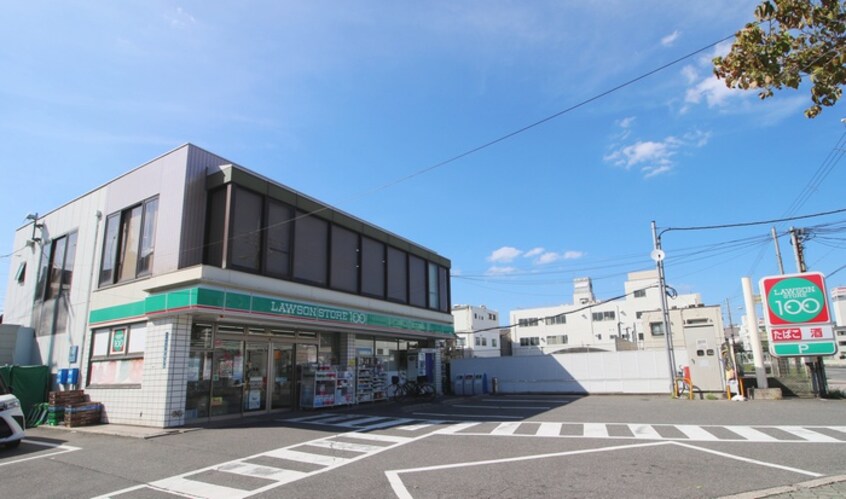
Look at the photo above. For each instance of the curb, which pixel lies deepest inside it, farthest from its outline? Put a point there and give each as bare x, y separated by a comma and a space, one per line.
789, 489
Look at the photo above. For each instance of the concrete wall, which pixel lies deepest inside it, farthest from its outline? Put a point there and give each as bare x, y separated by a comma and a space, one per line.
593, 373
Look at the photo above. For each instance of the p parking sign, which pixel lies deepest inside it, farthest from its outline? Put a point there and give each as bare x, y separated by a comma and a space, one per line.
797, 315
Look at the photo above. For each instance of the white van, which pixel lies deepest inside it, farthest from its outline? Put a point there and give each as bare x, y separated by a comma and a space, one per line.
11, 418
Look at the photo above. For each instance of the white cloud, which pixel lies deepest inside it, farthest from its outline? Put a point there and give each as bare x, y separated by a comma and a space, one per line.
626, 122
497, 270
179, 19
504, 255
533, 252
670, 39
548, 257
551, 256
656, 157
690, 74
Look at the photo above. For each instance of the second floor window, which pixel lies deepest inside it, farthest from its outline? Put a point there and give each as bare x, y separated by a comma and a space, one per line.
129, 243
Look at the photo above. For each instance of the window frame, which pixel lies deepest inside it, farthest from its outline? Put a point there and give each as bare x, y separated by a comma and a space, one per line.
117, 224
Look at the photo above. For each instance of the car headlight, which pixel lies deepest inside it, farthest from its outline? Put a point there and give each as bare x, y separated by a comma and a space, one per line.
9, 404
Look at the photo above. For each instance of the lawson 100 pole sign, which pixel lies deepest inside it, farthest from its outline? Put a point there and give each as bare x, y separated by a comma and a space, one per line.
797, 315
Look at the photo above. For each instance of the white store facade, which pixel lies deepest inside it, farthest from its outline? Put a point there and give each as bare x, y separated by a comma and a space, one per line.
191, 288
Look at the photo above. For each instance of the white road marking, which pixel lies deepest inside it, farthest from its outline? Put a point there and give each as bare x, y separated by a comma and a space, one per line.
809, 435
386, 424
375, 437
595, 430
335, 445
694, 432
361, 421
60, 449
506, 428
528, 408
549, 430
645, 431
747, 460
195, 488
494, 416
752, 434
402, 492
523, 401
259, 471
449, 430
307, 457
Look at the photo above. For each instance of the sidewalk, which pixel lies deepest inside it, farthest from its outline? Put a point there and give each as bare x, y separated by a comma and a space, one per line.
826, 487
120, 430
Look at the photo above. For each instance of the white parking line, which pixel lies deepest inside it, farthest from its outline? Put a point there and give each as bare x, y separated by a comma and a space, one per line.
61, 449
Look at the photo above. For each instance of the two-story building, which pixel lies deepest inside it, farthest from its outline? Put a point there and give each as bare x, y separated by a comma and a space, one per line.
192, 288
477, 330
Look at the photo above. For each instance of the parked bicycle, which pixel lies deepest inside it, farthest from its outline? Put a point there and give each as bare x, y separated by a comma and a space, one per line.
682, 384
400, 391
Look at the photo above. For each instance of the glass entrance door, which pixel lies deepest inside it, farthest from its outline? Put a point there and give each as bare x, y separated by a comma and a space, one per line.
227, 377
305, 354
282, 367
255, 381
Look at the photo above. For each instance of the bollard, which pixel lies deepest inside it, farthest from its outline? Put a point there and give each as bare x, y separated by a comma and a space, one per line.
494, 385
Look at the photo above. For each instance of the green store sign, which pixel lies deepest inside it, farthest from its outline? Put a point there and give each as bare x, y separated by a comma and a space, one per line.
204, 299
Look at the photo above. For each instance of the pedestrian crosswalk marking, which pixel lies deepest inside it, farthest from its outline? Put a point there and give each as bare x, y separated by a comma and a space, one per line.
336, 445
549, 430
259, 471
809, 435
597, 430
752, 434
693, 432
307, 457
645, 431
506, 428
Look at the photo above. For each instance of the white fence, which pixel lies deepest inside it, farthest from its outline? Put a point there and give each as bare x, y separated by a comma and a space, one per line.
595, 373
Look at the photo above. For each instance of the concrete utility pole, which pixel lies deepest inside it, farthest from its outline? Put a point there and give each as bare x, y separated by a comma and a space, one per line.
754, 336
816, 365
658, 256
778, 252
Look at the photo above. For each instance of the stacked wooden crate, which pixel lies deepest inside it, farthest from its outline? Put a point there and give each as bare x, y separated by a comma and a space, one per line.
73, 408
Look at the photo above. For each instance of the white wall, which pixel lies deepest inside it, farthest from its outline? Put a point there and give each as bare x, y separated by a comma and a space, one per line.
593, 373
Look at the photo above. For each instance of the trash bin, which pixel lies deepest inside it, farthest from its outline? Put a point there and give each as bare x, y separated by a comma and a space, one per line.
458, 385
468, 384
478, 385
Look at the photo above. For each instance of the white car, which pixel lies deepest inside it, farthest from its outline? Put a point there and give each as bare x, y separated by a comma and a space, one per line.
11, 418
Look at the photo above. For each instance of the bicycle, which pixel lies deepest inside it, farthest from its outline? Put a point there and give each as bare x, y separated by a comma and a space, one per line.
415, 389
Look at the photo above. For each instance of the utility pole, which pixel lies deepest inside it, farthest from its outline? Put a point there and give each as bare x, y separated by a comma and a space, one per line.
658, 257
818, 378
778, 251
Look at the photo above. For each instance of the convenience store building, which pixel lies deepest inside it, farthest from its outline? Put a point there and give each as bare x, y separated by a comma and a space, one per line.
192, 288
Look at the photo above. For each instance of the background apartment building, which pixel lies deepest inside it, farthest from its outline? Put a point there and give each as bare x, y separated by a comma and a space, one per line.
591, 325
477, 330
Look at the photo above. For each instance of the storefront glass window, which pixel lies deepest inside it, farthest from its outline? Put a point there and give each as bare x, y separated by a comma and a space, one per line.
386, 351
330, 349
364, 346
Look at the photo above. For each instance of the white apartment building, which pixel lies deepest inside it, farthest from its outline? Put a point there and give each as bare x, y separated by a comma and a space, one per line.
477, 330
838, 304
589, 325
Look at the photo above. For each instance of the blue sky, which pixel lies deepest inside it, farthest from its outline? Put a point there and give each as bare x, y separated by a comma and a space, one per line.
341, 100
